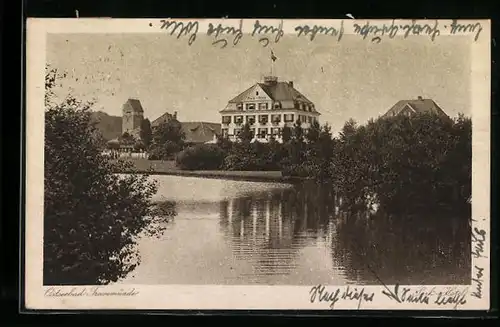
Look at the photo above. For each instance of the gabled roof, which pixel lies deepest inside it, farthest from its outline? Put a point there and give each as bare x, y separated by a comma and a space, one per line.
133, 104
418, 105
277, 91
163, 118
200, 132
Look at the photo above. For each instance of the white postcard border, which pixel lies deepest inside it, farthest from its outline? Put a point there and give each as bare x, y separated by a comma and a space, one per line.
201, 297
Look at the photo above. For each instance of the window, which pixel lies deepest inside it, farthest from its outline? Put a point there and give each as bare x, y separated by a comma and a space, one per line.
309, 120
239, 106
302, 118
263, 119
238, 119
276, 119
251, 119
276, 131
257, 93
288, 118
225, 132
262, 133
226, 119
297, 105
250, 106
262, 106
237, 131
252, 132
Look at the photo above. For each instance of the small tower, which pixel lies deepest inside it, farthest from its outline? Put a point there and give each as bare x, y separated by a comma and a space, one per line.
132, 116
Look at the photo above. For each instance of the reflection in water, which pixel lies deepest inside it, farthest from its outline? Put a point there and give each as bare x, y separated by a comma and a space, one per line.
232, 232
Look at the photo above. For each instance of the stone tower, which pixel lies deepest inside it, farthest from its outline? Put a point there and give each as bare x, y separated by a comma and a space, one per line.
132, 116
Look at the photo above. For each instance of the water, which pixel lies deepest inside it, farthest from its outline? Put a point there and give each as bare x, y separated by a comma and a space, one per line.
234, 232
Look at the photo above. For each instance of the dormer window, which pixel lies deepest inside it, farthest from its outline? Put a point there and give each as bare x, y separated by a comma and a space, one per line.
250, 106
277, 105
239, 106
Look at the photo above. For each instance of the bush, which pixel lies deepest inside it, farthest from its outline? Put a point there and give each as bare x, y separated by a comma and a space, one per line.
91, 216
201, 157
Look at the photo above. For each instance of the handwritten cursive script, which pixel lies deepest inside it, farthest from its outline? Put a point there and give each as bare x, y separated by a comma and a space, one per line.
453, 296
260, 29
220, 30
478, 282
320, 293
87, 291
478, 240
306, 30
182, 29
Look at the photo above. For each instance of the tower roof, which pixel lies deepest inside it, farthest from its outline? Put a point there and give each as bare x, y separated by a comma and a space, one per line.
134, 105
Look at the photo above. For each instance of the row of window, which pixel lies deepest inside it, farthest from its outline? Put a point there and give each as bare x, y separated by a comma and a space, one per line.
264, 119
276, 105
260, 106
261, 132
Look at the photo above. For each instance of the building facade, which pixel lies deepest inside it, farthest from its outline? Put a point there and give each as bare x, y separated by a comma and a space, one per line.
132, 117
267, 107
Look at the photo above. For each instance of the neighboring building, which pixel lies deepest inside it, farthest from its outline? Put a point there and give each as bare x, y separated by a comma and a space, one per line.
267, 107
411, 107
166, 117
195, 132
200, 132
132, 116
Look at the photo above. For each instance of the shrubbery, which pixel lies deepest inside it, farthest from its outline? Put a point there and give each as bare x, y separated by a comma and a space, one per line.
201, 157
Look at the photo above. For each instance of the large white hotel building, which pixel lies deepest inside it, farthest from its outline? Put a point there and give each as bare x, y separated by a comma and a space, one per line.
267, 107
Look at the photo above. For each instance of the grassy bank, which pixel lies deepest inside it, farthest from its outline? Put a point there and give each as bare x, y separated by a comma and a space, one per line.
159, 167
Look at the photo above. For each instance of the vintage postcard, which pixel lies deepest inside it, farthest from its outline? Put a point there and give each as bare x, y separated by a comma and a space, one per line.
257, 164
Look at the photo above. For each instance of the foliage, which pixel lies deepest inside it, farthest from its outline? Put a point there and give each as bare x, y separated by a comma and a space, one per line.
167, 140
91, 216
245, 135
201, 157
406, 163
146, 133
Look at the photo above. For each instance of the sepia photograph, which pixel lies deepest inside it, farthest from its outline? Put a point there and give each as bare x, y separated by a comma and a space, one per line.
221, 153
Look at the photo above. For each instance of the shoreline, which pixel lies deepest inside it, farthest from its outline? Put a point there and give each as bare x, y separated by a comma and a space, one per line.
248, 176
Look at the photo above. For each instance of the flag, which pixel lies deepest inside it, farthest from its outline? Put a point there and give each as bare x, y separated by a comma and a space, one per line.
273, 57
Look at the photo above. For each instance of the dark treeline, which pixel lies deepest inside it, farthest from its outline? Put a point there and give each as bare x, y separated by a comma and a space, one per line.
402, 164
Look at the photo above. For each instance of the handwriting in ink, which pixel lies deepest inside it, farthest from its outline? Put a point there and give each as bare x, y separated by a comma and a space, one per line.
219, 30
452, 296
392, 30
320, 293
478, 281
260, 29
421, 295
306, 30
190, 28
456, 27
478, 239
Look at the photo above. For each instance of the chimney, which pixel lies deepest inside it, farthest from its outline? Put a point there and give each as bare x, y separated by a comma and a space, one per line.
420, 98
175, 114
291, 83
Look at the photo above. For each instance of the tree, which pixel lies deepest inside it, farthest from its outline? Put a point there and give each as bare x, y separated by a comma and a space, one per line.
298, 132
286, 134
146, 133
313, 133
168, 139
246, 134
91, 215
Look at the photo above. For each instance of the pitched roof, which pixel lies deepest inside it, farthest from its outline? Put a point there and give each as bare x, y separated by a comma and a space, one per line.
163, 118
278, 91
419, 106
133, 104
200, 132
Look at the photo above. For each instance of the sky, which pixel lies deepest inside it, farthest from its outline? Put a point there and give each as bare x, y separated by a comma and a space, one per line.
353, 78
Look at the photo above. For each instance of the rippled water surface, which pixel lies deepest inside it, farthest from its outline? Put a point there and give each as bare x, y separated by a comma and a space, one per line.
234, 232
